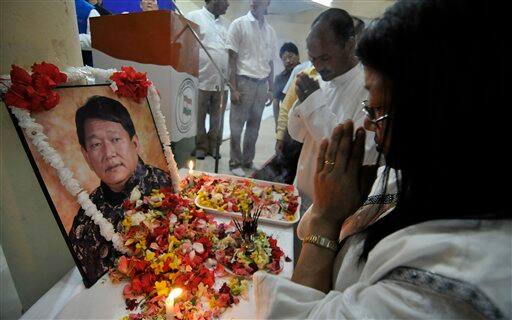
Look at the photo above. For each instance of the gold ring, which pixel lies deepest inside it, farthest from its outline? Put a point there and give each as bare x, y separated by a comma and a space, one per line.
329, 162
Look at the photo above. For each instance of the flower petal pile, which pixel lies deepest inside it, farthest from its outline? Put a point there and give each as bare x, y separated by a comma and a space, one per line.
34, 92
174, 244
130, 83
265, 255
277, 202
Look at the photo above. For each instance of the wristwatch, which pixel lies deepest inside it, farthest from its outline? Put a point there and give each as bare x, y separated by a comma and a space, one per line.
322, 242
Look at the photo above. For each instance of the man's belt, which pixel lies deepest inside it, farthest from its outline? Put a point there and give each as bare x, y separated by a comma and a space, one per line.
253, 79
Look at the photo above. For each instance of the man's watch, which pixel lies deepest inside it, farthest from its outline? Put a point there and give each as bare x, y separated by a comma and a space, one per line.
322, 242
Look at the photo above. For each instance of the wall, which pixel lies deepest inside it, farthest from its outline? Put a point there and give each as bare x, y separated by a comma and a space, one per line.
31, 31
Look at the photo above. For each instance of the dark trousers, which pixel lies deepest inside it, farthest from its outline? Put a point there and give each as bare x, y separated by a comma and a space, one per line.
209, 103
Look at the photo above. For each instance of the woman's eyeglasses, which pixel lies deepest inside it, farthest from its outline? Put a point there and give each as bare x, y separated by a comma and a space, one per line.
370, 113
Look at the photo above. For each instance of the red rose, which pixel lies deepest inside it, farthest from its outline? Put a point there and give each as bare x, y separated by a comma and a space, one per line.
34, 92
131, 84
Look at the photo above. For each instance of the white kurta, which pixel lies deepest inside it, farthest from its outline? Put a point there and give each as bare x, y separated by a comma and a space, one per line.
213, 34
456, 269
315, 118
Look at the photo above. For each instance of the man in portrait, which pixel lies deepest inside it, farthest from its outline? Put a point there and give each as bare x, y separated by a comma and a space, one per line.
111, 148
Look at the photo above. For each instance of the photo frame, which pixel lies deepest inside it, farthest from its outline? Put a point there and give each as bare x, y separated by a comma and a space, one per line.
89, 153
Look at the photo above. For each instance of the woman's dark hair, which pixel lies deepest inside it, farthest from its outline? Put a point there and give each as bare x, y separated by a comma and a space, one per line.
445, 68
103, 108
288, 47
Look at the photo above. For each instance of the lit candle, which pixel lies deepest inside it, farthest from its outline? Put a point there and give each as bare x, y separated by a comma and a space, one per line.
190, 167
169, 303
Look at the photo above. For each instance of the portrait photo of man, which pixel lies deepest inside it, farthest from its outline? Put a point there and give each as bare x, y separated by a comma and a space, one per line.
111, 148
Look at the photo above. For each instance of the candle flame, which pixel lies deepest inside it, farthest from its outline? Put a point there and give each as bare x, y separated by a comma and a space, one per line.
191, 165
176, 292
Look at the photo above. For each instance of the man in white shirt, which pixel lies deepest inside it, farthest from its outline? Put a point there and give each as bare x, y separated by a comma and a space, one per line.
321, 107
252, 46
213, 32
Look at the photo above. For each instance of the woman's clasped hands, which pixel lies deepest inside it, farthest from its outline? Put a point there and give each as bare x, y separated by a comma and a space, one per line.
341, 180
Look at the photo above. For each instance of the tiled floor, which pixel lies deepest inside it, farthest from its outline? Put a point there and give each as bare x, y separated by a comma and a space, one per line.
264, 145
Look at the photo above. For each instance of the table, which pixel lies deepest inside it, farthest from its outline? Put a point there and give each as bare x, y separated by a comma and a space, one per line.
69, 299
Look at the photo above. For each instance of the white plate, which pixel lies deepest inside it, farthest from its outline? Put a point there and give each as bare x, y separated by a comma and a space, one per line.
238, 214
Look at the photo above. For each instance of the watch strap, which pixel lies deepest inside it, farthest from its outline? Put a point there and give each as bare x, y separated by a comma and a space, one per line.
322, 242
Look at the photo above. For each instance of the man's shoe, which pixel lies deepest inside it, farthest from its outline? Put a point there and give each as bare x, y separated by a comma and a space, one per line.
200, 154
238, 172
251, 167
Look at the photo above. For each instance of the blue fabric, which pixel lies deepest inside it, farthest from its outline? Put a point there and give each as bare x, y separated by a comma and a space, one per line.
83, 9
132, 6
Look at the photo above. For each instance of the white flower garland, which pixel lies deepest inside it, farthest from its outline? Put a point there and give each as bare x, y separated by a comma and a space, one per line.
52, 157
165, 137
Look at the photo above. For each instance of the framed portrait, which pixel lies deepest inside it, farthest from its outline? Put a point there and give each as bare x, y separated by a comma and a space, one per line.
112, 148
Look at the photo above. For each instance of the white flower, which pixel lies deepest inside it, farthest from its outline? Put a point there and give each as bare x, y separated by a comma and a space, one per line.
135, 194
201, 224
276, 196
73, 187
114, 87
198, 247
257, 191
217, 197
82, 198
137, 218
211, 263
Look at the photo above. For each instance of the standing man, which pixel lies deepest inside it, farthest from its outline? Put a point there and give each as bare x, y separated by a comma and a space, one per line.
330, 44
213, 32
252, 45
289, 54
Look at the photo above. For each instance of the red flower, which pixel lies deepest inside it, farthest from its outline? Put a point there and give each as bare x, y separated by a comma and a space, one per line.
277, 253
128, 204
131, 84
50, 71
131, 266
123, 263
34, 92
131, 304
225, 297
143, 283
191, 280
180, 231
